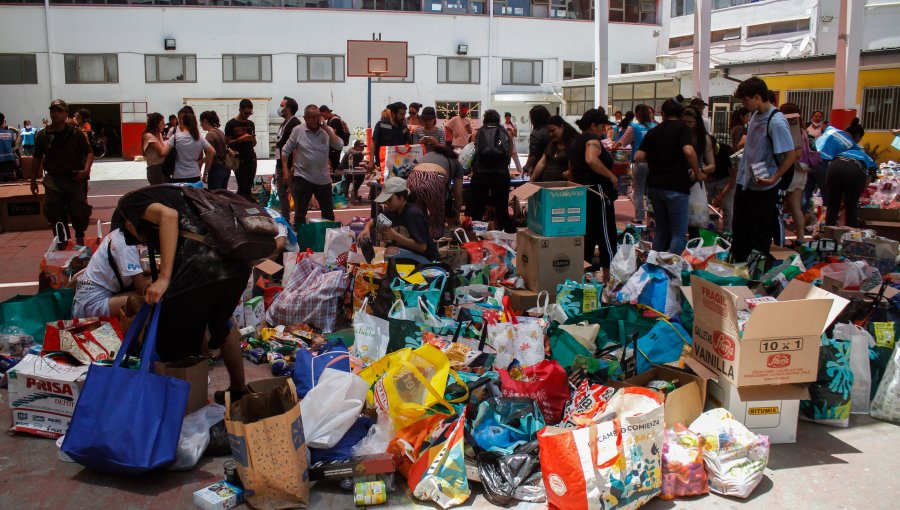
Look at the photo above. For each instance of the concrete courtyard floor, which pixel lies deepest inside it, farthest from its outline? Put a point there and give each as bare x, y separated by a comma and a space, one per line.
828, 467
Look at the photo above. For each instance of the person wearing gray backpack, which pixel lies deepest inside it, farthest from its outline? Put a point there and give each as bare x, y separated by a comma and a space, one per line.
490, 171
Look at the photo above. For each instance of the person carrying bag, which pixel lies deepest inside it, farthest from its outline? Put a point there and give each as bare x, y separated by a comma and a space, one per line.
128, 421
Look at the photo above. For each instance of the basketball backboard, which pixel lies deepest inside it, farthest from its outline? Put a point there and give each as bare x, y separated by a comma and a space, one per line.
386, 59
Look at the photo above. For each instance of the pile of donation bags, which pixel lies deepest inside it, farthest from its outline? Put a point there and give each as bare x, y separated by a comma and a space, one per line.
386, 370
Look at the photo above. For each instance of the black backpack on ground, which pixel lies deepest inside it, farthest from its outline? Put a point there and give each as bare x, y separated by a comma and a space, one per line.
492, 149
235, 226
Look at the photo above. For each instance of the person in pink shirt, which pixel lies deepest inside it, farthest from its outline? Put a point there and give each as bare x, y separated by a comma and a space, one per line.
459, 129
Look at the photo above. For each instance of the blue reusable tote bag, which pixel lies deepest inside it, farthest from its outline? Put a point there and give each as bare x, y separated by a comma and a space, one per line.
127, 422
308, 367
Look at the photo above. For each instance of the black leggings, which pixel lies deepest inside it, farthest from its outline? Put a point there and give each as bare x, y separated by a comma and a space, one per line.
490, 190
601, 229
244, 175
846, 180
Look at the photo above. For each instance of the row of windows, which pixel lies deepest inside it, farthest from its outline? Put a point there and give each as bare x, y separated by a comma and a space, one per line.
685, 7
627, 11
622, 96
729, 34
104, 68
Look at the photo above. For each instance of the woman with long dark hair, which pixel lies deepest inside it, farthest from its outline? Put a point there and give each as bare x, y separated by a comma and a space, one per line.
539, 115
623, 125
152, 148
555, 161
191, 150
217, 176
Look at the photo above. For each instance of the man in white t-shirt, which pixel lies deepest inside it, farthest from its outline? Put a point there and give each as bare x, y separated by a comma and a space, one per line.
102, 288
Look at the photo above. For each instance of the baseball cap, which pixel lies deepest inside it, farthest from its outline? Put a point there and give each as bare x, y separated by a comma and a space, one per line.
324, 108
592, 116
428, 111
59, 103
391, 186
463, 110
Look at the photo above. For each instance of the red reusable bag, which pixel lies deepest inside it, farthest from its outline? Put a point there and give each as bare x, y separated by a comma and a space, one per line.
546, 383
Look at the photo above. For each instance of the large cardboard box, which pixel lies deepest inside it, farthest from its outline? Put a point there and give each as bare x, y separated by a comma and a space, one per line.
28, 167
686, 402
780, 343
42, 395
773, 412
543, 262
555, 208
194, 370
522, 300
19, 209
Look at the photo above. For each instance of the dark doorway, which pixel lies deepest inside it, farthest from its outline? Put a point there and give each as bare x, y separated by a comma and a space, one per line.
106, 124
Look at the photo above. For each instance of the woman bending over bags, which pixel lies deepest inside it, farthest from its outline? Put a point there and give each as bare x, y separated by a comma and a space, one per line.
197, 286
111, 277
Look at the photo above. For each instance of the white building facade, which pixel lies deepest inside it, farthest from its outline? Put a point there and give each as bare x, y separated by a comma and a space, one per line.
112, 58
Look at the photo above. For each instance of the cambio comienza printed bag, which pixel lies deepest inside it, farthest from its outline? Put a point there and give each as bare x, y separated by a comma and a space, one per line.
614, 464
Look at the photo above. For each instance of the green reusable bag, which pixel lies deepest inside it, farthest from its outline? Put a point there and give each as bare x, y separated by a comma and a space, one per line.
577, 298
617, 324
32, 313
312, 235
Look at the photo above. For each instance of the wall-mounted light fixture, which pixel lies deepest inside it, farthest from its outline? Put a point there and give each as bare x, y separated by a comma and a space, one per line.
827, 19
169, 44
462, 49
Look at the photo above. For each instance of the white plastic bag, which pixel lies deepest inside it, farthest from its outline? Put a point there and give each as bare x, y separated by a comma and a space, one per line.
860, 342
195, 436
467, 155
370, 336
522, 340
735, 458
337, 244
332, 407
698, 256
886, 404
624, 263
378, 438
698, 207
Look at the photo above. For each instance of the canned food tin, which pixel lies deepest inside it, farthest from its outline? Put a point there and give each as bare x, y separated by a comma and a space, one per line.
369, 493
231, 475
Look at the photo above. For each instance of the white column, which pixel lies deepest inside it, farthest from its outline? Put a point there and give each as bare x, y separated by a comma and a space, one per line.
50, 63
601, 53
846, 69
702, 23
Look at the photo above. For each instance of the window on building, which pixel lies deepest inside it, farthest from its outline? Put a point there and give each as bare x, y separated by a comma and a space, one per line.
810, 101
723, 4
682, 7
410, 73
448, 109
684, 41
246, 67
632, 11
320, 68
92, 68
781, 27
574, 69
880, 108
728, 34
170, 68
578, 99
459, 70
18, 69
523, 72
637, 68
626, 96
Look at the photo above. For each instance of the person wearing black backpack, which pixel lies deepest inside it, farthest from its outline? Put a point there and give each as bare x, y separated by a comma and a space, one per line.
198, 286
768, 156
490, 171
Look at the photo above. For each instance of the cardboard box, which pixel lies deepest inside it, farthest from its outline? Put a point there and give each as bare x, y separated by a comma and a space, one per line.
42, 395
889, 229
194, 370
521, 300
773, 412
19, 209
366, 465
254, 312
555, 208
28, 167
873, 214
837, 287
880, 253
687, 401
219, 496
267, 268
543, 262
237, 317
780, 344
836, 232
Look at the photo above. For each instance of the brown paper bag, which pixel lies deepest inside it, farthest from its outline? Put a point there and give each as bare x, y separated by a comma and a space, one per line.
267, 442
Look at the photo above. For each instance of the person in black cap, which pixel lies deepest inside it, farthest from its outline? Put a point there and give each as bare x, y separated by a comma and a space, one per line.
64, 152
340, 128
591, 165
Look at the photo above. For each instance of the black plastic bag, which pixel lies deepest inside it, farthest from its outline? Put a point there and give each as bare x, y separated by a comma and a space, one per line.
511, 478
218, 441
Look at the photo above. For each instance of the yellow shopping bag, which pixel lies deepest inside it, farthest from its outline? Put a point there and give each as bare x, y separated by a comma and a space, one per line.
407, 384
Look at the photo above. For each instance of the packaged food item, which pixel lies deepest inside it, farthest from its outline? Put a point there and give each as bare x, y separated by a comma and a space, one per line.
219, 496
683, 472
369, 493
662, 386
735, 458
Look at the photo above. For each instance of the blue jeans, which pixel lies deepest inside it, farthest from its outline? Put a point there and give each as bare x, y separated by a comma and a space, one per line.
640, 190
670, 211
218, 177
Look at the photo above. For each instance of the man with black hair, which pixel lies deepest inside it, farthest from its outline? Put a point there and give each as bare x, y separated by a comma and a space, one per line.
288, 111
240, 135
340, 128
390, 133
768, 155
